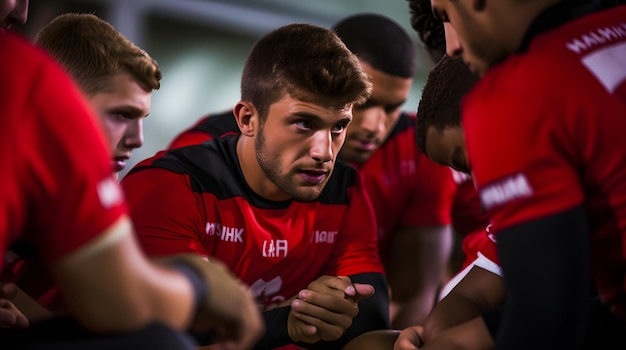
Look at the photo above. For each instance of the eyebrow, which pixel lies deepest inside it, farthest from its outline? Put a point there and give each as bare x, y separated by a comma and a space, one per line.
397, 105
373, 102
131, 110
316, 118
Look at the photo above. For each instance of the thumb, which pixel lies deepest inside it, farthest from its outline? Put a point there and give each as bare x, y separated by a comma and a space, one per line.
363, 291
8, 290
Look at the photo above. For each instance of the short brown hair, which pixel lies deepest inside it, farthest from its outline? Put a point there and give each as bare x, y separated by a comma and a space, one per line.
440, 105
91, 50
308, 63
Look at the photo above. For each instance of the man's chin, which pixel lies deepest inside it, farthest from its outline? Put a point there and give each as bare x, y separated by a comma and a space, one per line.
308, 194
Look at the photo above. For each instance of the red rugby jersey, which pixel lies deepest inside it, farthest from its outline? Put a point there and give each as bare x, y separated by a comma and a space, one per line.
195, 199
545, 133
406, 187
58, 192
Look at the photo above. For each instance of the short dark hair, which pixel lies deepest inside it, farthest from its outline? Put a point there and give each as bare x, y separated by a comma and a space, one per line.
307, 62
440, 105
428, 28
379, 41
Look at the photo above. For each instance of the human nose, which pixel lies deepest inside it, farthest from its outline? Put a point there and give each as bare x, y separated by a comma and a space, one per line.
453, 43
19, 15
322, 150
133, 137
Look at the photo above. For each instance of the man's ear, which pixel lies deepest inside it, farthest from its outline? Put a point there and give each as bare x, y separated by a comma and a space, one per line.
247, 117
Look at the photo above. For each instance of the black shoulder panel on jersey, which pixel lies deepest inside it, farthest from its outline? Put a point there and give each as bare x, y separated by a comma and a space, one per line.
559, 14
218, 124
405, 122
213, 167
342, 179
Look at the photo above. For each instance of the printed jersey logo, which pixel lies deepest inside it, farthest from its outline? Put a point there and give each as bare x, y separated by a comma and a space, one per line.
266, 292
459, 177
275, 248
596, 38
505, 190
490, 234
607, 66
109, 193
323, 237
224, 233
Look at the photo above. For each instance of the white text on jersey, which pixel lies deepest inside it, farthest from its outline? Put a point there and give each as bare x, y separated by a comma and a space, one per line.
228, 234
323, 237
505, 190
597, 37
275, 248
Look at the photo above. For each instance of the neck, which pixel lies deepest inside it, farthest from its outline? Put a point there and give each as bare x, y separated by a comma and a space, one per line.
515, 27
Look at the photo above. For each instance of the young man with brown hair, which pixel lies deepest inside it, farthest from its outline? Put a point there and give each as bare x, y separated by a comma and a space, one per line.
273, 201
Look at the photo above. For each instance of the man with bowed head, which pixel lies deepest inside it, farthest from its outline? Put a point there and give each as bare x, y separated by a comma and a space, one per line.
118, 78
541, 128
116, 296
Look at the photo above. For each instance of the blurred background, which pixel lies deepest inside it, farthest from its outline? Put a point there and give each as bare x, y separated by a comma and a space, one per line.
201, 46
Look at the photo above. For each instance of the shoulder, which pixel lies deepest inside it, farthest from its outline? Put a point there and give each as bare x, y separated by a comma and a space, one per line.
405, 127
28, 70
211, 167
217, 125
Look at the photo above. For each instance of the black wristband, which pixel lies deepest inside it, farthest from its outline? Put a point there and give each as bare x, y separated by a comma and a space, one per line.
276, 332
198, 283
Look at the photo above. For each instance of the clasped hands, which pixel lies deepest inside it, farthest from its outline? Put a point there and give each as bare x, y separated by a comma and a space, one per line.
326, 308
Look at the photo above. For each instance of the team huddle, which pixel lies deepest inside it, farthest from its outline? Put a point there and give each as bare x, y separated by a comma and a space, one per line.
318, 213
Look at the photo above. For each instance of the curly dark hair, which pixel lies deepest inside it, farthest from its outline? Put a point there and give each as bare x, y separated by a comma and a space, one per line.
440, 104
428, 28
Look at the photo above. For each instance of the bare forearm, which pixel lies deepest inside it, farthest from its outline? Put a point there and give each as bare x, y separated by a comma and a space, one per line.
412, 312
451, 311
105, 295
419, 257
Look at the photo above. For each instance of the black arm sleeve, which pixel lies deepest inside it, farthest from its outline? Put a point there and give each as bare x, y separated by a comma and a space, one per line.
545, 264
276, 333
373, 313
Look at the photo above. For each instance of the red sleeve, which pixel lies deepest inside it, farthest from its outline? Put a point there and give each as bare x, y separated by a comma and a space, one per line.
154, 206
62, 161
433, 192
467, 215
516, 142
357, 249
